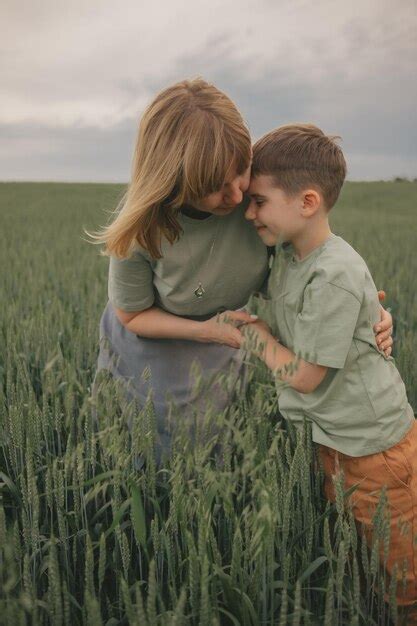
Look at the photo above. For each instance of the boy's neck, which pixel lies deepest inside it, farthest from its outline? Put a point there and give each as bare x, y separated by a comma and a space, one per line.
311, 238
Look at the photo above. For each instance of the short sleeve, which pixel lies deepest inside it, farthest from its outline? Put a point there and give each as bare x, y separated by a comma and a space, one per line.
325, 326
130, 284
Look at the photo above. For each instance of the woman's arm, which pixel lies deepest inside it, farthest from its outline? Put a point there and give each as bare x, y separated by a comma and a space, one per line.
383, 329
156, 323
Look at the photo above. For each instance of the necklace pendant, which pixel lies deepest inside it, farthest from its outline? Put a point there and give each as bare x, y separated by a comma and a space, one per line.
200, 291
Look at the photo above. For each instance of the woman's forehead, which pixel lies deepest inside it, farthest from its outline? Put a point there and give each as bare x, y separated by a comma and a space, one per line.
232, 173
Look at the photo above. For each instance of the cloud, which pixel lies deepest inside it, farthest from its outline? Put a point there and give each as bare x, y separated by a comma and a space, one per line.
76, 77
83, 153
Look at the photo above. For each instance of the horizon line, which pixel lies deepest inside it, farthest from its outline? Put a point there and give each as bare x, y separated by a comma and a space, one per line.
393, 179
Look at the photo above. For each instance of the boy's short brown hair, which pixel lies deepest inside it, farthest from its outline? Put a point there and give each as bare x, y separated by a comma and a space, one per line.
298, 156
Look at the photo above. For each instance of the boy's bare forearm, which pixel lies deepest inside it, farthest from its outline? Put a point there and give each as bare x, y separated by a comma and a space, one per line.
275, 355
304, 377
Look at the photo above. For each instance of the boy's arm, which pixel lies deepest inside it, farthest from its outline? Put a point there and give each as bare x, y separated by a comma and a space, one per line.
304, 377
323, 332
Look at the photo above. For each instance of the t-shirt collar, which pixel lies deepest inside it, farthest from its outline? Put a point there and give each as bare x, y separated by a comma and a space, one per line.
289, 252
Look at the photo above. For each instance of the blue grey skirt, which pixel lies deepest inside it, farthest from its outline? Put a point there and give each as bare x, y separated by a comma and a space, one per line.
186, 378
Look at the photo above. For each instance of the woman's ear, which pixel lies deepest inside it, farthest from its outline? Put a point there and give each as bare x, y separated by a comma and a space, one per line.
311, 202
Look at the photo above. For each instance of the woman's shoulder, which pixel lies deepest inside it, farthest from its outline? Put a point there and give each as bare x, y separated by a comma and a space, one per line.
137, 259
137, 250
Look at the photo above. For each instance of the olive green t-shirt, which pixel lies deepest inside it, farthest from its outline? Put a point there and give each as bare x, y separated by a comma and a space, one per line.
324, 308
223, 253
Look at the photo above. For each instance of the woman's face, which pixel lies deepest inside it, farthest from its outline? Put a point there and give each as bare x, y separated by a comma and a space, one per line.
225, 200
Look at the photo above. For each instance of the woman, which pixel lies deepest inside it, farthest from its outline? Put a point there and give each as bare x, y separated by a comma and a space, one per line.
183, 259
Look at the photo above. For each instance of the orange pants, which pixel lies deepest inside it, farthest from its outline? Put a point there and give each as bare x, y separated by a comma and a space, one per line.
396, 468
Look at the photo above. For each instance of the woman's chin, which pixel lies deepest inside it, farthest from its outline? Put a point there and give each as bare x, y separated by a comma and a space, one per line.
224, 210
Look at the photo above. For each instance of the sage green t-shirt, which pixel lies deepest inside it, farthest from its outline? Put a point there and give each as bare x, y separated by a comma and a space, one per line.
324, 308
223, 253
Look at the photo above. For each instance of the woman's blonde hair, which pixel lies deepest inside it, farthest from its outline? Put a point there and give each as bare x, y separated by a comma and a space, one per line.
189, 138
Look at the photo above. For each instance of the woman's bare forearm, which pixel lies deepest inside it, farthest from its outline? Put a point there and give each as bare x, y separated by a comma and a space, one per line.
155, 323
158, 324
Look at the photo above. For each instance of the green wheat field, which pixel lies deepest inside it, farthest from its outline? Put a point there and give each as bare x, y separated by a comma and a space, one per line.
236, 534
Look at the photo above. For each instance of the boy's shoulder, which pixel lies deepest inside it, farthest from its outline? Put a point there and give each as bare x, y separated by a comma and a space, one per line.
341, 265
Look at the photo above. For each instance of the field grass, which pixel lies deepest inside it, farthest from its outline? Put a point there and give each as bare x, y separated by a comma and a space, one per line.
247, 538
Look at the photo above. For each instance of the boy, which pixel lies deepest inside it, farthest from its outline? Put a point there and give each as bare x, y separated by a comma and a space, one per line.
324, 304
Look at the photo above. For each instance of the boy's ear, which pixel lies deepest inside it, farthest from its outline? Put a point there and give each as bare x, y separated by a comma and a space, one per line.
311, 201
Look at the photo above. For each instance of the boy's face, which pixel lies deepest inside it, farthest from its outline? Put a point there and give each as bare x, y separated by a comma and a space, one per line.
275, 214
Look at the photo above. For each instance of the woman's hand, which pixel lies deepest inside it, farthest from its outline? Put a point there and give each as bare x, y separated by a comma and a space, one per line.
383, 329
223, 328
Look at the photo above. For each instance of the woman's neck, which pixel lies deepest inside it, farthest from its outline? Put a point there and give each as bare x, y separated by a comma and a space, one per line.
195, 214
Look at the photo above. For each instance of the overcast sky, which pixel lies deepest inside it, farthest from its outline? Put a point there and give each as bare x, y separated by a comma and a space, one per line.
76, 75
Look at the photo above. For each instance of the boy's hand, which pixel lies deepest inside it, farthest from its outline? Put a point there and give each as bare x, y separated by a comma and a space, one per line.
256, 336
224, 328
383, 329
261, 326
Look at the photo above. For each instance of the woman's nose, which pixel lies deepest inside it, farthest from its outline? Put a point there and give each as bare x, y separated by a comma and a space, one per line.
235, 195
250, 212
